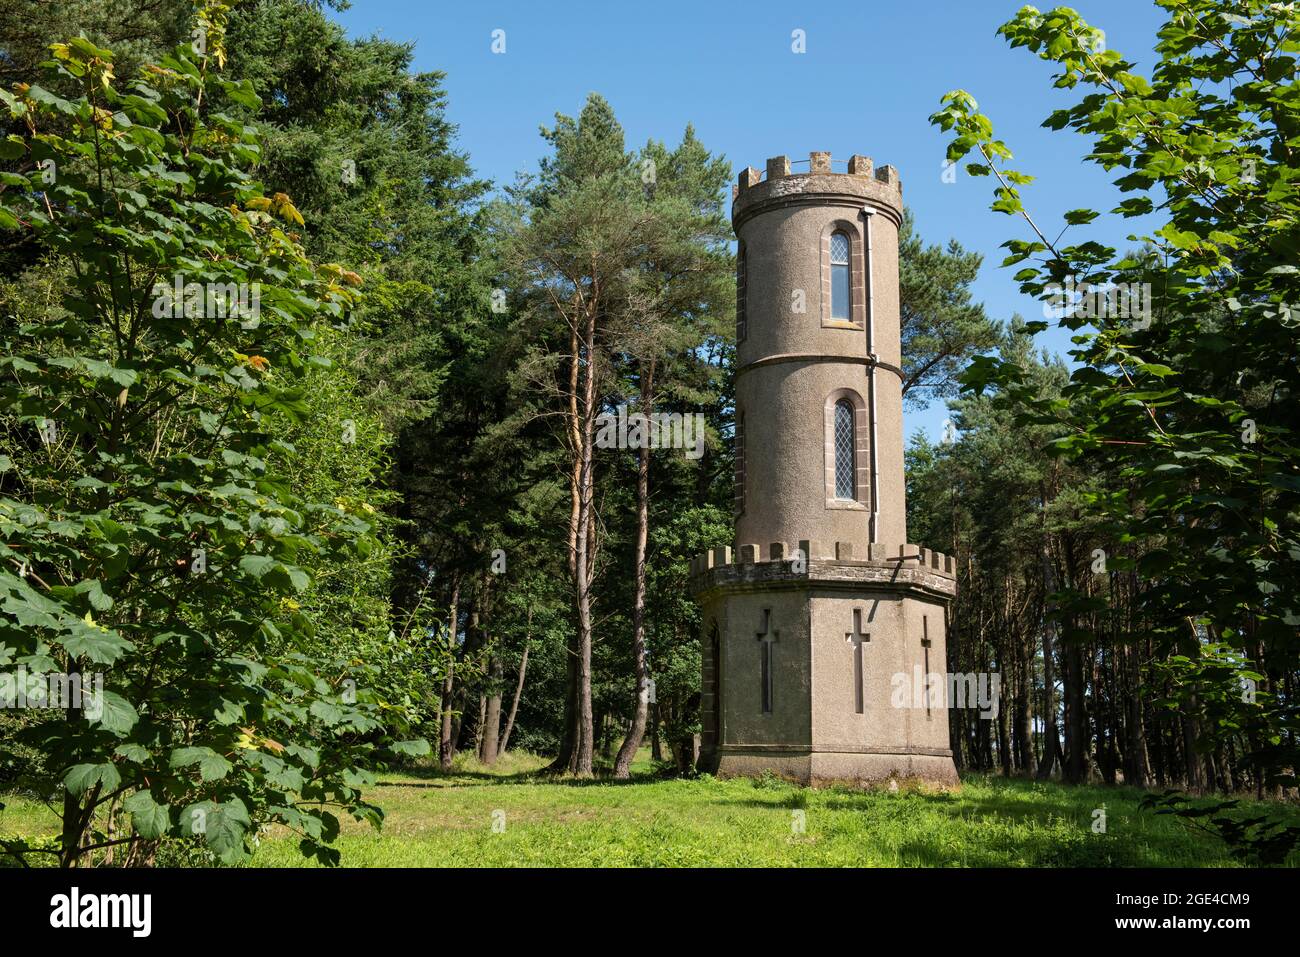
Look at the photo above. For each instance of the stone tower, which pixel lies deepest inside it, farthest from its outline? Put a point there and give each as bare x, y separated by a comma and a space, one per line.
820, 626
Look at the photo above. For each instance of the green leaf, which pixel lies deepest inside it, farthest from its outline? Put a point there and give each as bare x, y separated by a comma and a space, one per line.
212, 766
257, 565
93, 643
1138, 206
242, 93
135, 753
1156, 369
222, 826
327, 712
117, 714
89, 50
150, 819
94, 592
60, 105
82, 777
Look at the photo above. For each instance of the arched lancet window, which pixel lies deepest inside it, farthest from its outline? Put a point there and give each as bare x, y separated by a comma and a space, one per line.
844, 444
742, 322
839, 275
740, 463
713, 715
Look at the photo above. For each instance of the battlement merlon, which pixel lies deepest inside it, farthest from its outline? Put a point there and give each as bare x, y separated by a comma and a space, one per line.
862, 185
810, 561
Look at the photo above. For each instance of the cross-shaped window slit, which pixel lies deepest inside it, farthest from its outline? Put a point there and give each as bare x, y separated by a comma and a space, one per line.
767, 637
858, 638
925, 643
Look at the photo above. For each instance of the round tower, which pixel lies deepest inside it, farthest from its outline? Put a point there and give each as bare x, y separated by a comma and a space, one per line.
823, 632
818, 344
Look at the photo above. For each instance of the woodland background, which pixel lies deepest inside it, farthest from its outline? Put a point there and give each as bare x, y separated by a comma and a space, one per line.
399, 469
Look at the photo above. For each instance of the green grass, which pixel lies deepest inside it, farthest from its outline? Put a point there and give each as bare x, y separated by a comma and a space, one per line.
447, 820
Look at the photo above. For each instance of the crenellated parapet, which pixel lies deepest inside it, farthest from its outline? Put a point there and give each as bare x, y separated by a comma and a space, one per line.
906, 566
857, 180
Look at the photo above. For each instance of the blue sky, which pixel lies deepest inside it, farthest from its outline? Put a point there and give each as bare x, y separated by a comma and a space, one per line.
871, 76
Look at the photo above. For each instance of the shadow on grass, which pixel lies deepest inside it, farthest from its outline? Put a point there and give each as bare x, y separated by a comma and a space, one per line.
436, 778
1005, 824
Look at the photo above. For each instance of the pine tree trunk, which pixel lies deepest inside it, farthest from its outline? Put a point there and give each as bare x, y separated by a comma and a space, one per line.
1191, 728
478, 728
1191, 758
581, 762
492, 714
1076, 724
568, 740
1024, 708
519, 689
446, 747
1004, 742
641, 704
1051, 737
656, 745
1135, 767
465, 720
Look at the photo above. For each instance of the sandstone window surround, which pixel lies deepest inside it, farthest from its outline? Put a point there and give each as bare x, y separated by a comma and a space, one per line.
840, 246
835, 236
845, 483
860, 464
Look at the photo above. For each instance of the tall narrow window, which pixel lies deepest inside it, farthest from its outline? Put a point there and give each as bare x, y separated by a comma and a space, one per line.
839, 275
715, 685
766, 637
742, 323
740, 463
844, 442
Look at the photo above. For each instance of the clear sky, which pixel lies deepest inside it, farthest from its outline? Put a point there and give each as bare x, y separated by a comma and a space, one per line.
871, 75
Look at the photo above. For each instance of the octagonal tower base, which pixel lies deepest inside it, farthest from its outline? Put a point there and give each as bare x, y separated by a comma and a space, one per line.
815, 666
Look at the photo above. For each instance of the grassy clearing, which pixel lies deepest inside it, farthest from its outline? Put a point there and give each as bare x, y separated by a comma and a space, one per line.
447, 820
